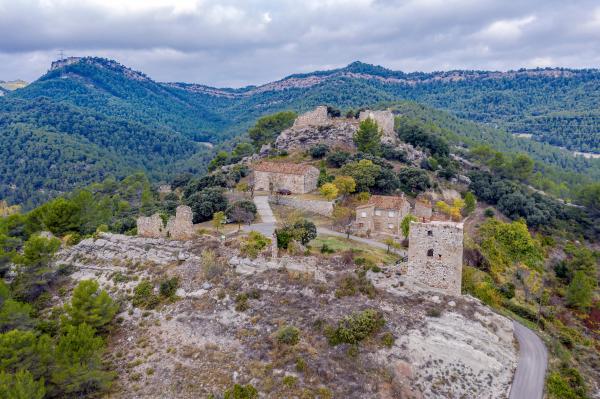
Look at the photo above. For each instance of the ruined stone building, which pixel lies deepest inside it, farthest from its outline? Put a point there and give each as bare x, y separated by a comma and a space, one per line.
316, 117
422, 210
179, 227
273, 176
383, 214
385, 121
435, 255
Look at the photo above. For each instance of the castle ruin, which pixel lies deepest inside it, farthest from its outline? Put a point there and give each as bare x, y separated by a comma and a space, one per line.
180, 227
435, 255
317, 117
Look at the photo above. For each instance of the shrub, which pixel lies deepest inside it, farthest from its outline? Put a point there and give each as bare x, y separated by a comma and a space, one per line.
241, 302
337, 159
300, 364
355, 328
212, 266
351, 285
319, 151
254, 244
488, 213
241, 392
168, 288
388, 339
290, 381
434, 312
566, 383
288, 335
143, 296
326, 250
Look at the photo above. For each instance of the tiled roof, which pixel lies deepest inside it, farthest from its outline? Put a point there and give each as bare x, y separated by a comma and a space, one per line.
283, 167
386, 201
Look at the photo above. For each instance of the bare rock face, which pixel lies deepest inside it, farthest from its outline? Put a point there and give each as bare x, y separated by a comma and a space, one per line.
181, 227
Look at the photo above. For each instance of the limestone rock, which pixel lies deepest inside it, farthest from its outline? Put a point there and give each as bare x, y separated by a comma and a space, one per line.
151, 226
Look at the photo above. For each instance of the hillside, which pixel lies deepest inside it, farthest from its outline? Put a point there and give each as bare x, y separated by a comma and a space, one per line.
115, 120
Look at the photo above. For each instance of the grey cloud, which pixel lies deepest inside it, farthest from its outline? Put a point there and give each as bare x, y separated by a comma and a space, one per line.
240, 42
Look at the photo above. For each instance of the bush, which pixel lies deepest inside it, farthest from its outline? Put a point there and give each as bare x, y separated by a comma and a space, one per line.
388, 339
212, 266
326, 250
351, 285
489, 213
241, 392
288, 335
319, 151
168, 288
253, 244
290, 381
241, 302
143, 296
355, 328
567, 383
337, 159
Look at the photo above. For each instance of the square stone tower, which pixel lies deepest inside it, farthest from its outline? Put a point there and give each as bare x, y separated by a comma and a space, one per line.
435, 255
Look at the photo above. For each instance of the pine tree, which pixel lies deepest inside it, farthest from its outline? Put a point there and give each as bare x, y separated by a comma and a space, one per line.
90, 305
581, 291
78, 363
368, 137
21, 386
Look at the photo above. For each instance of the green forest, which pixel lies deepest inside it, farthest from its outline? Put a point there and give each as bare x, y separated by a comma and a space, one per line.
96, 118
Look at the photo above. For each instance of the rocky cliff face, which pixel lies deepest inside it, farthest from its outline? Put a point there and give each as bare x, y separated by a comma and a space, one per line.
202, 343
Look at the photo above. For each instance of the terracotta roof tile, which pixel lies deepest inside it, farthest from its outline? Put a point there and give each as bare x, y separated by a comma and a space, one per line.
386, 201
283, 167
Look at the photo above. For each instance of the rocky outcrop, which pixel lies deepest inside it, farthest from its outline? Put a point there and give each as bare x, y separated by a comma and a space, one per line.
335, 134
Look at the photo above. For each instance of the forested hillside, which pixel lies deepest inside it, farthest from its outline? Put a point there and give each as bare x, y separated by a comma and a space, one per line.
93, 117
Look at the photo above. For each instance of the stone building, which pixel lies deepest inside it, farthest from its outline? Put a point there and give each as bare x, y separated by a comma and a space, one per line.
316, 117
179, 227
423, 210
382, 214
150, 226
385, 121
273, 176
435, 255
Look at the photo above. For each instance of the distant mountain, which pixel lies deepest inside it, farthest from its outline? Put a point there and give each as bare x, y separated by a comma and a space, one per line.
94, 117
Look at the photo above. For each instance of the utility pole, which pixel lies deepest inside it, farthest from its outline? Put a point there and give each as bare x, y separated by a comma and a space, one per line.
61, 55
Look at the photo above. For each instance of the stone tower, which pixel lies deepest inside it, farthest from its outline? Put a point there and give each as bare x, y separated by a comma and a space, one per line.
435, 255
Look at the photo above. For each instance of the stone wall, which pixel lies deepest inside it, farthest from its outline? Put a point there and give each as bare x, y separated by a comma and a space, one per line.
385, 121
181, 226
317, 117
324, 208
422, 211
150, 226
337, 134
298, 184
435, 255
379, 220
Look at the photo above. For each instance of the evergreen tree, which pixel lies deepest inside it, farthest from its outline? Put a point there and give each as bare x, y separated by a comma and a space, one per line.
368, 137
78, 363
21, 385
581, 291
91, 305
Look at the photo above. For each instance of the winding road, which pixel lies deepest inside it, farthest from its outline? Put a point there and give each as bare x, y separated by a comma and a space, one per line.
528, 382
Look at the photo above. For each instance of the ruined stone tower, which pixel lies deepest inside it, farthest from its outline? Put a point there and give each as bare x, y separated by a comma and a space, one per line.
435, 253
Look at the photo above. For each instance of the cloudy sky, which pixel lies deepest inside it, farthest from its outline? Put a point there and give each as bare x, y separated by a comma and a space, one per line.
242, 42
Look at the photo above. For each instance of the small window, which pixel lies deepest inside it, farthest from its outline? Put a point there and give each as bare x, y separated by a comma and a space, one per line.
430, 233
390, 226
377, 213
391, 214
440, 256
430, 252
363, 214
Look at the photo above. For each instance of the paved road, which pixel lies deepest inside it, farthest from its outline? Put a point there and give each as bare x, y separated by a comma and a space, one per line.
528, 382
268, 222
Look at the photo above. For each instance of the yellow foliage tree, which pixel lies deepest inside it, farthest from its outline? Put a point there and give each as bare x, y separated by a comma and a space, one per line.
454, 210
345, 184
329, 191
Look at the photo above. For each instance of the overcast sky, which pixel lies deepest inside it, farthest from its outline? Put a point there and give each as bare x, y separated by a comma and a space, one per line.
242, 42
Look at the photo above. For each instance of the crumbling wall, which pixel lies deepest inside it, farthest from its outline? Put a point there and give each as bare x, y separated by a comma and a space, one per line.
422, 211
384, 119
324, 208
181, 227
150, 226
435, 255
317, 117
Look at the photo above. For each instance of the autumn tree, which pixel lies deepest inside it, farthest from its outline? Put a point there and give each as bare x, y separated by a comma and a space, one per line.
329, 191
345, 185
